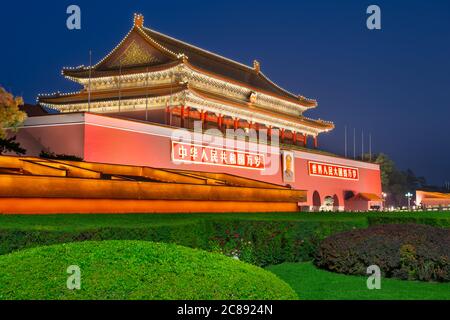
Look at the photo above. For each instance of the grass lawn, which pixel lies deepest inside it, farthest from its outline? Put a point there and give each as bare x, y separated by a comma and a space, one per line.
86, 222
311, 283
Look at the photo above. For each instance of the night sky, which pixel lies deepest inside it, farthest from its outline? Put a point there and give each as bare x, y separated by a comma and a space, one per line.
393, 83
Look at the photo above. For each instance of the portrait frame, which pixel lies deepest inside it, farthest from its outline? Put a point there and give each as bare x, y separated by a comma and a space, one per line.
288, 166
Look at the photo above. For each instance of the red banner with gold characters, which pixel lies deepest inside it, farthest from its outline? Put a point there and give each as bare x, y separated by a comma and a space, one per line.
198, 154
321, 169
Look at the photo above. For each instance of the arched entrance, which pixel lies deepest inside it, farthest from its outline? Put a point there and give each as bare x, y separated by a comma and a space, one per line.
336, 204
316, 203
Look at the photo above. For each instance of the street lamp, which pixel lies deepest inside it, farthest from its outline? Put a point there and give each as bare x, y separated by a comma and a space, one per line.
409, 196
384, 196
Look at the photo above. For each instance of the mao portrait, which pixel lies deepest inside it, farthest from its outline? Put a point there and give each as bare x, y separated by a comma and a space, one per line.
288, 167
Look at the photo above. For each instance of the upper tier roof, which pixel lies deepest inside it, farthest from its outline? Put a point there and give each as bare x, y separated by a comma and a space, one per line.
162, 49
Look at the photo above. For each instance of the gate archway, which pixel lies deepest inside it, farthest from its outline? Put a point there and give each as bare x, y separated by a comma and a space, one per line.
317, 202
336, 203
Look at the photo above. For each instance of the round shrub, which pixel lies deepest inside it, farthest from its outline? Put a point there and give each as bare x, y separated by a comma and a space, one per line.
405, 251
135, 270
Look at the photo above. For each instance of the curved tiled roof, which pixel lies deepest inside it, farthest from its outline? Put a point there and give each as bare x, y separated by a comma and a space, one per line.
202, 59
217, 64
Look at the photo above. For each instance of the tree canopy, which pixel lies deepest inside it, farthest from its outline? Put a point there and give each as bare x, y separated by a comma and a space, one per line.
10, 115
396, 182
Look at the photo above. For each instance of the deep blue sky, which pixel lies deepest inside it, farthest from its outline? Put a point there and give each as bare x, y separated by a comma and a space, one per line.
394, 83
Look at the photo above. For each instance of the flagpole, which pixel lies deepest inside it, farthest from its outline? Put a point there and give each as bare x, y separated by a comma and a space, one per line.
346, 153
120, 83
90, 75
362, 145
354, 143
146, 97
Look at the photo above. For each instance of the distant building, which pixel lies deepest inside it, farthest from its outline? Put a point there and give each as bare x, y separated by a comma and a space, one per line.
429, 199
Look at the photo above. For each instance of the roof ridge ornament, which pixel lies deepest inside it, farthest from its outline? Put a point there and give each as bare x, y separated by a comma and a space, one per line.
138, 20
256, 66
307, 100
183, 58
253, 97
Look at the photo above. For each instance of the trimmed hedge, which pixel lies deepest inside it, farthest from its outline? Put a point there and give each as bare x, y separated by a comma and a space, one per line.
258, 242
436, 221
407, 251
132, 270
260, 239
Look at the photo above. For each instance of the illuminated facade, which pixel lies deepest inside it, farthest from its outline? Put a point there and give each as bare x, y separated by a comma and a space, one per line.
158, 102
432, 200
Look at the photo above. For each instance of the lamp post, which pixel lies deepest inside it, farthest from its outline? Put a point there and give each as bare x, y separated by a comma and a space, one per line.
409, 196
384, 196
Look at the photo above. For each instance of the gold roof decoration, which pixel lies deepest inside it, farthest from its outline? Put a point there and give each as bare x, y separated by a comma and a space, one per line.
135, 55
257, 66
307, 102
138, 20
253, 97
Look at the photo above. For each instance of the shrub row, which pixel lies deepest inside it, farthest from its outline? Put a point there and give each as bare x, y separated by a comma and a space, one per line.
259, 239
258, 242
406, 251
437, 221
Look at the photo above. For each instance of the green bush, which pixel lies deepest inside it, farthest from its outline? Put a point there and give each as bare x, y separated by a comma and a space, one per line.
407, 251
112, 270
258, 242
436, 221
272, 242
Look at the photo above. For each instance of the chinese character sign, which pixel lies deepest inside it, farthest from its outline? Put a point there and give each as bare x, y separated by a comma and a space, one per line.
197, 154
332, 171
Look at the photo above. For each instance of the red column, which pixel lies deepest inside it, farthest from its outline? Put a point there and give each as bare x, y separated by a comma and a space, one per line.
167, 115
305, 140
269, 133
282, 135
220, 122
203, 118
316, 142
182, 116
236, 123
294, 137
188, 116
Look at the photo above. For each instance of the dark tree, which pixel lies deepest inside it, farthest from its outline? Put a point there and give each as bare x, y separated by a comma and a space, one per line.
10, 145
52, 156
396, 183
